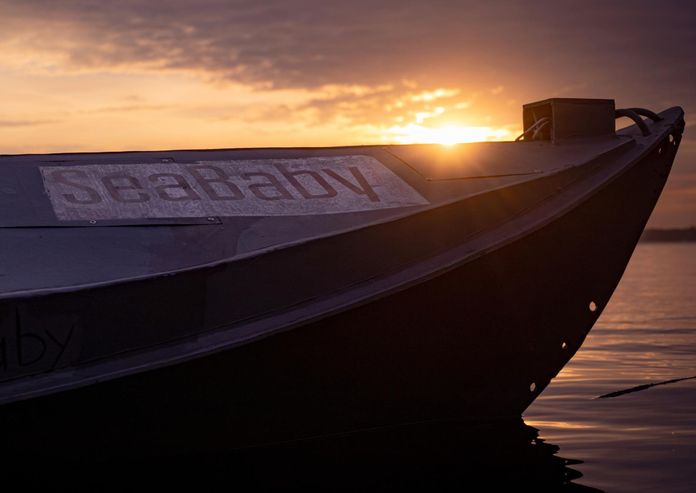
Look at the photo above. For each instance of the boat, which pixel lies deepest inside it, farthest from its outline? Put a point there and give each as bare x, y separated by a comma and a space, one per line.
189, 300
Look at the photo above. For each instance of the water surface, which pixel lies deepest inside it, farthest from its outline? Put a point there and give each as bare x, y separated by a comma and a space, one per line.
638, 441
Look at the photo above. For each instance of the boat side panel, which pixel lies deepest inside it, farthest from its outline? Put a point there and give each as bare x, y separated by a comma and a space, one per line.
107, 321
466, 344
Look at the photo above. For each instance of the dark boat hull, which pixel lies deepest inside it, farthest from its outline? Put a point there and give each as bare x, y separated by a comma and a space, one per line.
478, 341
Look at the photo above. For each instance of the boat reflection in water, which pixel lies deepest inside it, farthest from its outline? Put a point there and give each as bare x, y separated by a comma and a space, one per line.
457, 455
450, 455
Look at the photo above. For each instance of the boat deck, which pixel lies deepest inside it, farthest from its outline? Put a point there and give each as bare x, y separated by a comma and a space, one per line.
71, 220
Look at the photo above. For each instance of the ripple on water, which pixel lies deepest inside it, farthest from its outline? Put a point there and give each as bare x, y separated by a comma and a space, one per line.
646, 440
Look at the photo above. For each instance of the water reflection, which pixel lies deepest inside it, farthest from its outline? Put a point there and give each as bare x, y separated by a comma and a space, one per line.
451, 455
443, 455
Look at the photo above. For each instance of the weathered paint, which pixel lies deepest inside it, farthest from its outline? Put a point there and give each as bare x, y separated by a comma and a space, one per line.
265, 187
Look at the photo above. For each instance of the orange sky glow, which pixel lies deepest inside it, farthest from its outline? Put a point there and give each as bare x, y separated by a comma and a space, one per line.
53, 110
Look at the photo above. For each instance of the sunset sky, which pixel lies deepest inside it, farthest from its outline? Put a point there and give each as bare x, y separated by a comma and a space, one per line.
78, 75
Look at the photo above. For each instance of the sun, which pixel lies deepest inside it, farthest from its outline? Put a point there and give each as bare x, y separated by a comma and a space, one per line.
445, 134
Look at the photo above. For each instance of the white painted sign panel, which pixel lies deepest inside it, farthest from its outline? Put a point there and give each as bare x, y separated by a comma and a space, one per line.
263, 187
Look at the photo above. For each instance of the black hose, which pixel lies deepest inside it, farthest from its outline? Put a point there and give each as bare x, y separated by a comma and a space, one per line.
635, 116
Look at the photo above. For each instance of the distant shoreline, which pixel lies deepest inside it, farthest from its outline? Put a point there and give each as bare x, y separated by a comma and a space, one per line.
669, 235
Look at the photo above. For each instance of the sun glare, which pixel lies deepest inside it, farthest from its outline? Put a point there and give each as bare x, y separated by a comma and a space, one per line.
445, 135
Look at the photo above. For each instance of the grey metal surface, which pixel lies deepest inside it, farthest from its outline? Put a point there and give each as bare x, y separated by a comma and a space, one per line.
38, 253
491, 159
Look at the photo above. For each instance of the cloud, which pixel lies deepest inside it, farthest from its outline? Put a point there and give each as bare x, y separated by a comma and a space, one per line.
312, 43
532, 50
25, 123
128, 108
364, 63
362, 58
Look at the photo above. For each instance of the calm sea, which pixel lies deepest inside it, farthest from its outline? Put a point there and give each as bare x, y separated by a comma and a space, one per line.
643, 440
